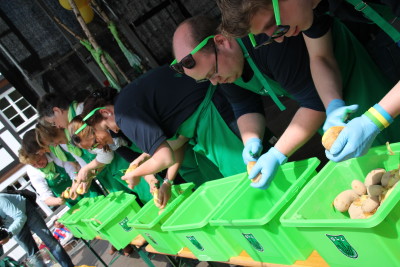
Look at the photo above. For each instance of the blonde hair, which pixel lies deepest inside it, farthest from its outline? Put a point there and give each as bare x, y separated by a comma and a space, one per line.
85, 133
25, 157
45, 133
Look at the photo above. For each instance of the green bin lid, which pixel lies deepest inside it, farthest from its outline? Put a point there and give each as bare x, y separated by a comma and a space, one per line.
149, 216
248, 206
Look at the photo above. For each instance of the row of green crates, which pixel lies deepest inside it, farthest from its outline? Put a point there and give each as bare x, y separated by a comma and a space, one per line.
282, 224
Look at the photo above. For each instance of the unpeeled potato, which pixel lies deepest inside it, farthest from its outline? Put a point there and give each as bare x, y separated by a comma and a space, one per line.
330, 136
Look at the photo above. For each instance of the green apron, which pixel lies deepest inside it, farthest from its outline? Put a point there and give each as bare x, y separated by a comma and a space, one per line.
213, 138
363, 82
260, 83
197, 168
62, 181
110, 178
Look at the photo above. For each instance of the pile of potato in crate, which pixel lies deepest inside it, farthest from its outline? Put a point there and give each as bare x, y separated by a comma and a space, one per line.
364, 199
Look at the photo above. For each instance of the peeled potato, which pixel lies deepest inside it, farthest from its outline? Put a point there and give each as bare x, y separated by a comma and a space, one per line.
250, 166
81, 189
66, 193
330, 136
155, 196
131, 168
374, 177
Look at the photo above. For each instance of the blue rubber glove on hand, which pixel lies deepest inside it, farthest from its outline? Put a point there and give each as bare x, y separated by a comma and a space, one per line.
252, 150
354, 140
337, 113
268, 165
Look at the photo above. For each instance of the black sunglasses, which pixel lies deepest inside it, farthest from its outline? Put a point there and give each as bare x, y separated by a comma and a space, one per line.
188, 61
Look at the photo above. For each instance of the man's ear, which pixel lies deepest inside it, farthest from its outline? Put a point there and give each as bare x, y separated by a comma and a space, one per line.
222, 41
56, 109
105, 112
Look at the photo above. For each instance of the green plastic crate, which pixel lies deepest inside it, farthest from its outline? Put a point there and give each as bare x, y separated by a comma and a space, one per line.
190, 221
75, 220
77, 208
251, 216
86, 218
148, 221
342, 241
111, 221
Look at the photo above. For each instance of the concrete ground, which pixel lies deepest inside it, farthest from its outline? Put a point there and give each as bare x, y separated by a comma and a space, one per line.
83, 256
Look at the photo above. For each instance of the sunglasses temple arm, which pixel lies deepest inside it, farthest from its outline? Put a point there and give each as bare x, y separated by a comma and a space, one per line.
275, 4
252, 40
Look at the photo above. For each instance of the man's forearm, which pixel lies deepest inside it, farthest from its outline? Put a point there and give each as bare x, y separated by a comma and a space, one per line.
303, 126
251, 125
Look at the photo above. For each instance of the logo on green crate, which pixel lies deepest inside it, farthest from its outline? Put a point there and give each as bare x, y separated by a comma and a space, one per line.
253, 242
151, 238
195, 243
124, 225
343, 246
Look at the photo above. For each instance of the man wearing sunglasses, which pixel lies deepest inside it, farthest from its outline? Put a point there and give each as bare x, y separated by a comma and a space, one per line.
226, 60
341, 69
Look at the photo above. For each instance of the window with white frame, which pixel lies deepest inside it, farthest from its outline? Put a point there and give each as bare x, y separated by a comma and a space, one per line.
16, 109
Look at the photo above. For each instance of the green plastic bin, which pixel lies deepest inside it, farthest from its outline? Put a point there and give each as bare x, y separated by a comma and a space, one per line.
148, 221
342, 241
190, 221
74, 221
251, 216
111, 221
77, 208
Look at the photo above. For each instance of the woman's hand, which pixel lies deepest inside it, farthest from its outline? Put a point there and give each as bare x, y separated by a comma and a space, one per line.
164, 194
82, 175
152, 181
60, 201
131, 179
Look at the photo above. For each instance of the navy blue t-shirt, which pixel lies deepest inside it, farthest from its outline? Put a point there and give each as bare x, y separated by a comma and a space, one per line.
288, 64
151, 108
344, 11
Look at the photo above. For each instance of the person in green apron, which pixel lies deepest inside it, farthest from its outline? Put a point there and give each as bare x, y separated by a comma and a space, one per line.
161, 112
57, 141
312, 18
49, 175
110, 165
222, 60
58, 111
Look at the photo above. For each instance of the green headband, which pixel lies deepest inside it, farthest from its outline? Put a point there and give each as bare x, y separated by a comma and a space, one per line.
197, 48
90, 114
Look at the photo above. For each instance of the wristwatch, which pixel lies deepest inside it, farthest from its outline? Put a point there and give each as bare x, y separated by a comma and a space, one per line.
166, 180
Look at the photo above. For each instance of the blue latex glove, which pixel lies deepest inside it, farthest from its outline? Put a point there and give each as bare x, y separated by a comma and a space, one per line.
252, 150
268, 165
337, 113
354, 140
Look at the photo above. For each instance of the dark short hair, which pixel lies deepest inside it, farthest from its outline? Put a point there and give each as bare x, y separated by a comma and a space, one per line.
98, 98
48, 102
200, 28
236, 15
